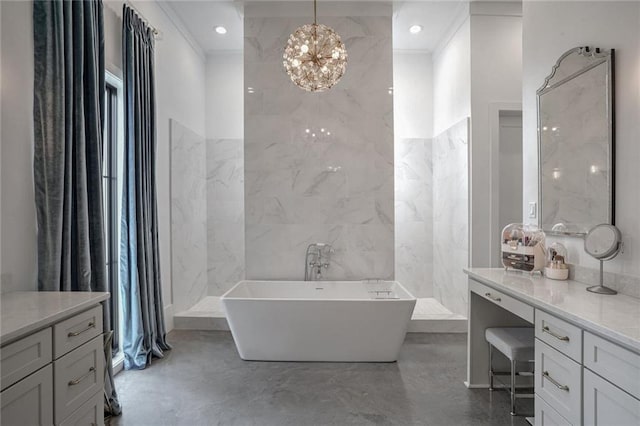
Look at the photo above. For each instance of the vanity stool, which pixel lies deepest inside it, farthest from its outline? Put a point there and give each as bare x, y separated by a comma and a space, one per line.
517, 344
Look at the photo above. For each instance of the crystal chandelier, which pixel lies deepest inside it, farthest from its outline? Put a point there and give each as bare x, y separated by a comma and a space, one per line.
315, 57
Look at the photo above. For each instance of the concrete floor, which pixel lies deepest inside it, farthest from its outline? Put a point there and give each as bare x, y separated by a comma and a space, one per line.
203, 381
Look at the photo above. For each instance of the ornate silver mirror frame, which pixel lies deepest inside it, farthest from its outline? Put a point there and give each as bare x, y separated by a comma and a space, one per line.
579, 135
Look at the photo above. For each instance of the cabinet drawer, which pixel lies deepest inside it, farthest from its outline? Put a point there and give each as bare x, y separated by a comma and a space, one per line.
559, 334
618, 365
21, 358
73, 332
91, 413
558, 380
517, 307
30, 401
79, 375
545, 415
605, 404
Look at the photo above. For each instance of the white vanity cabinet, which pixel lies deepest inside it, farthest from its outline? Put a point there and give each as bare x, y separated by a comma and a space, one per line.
29, 402
584, 379
587, 346
606, 404
558, 367
52, 359
611, 383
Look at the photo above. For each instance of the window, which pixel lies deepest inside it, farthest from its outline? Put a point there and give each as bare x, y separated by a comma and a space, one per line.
112, 193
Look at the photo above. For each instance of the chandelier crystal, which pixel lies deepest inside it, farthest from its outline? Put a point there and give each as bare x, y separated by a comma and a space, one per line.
315, 57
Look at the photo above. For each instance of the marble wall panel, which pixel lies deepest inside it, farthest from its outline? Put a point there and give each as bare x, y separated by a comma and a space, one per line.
225, 214
414, 215
188, 217
319, 167
451, 216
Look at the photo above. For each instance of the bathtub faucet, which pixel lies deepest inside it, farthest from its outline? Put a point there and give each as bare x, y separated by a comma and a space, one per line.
317, 257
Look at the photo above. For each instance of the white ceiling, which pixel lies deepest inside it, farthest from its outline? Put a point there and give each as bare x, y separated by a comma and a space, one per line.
435, 17
201, 17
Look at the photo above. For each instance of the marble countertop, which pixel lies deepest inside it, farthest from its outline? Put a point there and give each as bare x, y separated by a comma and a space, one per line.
614, 317
22, 313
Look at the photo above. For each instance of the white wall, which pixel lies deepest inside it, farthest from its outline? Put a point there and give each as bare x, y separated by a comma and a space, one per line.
413, 195
550, 29
452, 79
0, 154
180, 79
18, 211
496, 77
225, 170
506, 175
225, 95
476, 67
412, 94
510, 173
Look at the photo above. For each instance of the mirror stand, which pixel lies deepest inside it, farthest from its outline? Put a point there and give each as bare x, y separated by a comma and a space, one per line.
603, 242
601, 289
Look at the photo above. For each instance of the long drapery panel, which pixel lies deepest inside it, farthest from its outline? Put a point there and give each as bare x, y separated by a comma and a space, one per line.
143, 316
68, 108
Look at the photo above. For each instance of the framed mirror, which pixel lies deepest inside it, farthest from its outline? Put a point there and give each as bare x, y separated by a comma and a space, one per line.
576, 140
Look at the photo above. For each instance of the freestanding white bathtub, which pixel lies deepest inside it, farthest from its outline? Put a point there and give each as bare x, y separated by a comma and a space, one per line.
351, 321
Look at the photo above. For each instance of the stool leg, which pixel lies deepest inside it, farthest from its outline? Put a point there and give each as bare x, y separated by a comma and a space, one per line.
490, 367
513, 388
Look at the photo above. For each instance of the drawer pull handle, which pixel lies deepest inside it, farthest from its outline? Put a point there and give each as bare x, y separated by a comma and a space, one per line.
81, 378
495, 299
556, 335
546, 375
77, 333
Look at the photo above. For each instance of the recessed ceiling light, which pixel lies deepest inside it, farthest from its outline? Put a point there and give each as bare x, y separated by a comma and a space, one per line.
415, 29
221, 30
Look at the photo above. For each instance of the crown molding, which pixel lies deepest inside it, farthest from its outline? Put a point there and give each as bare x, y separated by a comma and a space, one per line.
182, 29
495, 8
462, 15
218, 54
413, 51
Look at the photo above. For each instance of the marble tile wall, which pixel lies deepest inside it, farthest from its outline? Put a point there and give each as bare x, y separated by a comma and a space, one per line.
188, 217
451, 216
334, 182
225, 214
414, 215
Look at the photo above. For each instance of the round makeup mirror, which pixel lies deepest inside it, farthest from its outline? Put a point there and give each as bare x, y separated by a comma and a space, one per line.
603, 242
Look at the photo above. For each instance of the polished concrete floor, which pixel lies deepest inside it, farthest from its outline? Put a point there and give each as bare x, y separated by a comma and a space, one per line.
203, 381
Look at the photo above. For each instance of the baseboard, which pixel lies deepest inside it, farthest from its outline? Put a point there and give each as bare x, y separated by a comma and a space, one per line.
168, 318
211, 323
475, 386
118, 364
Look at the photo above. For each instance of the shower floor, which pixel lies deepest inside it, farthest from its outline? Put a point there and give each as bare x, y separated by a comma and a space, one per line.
429, 316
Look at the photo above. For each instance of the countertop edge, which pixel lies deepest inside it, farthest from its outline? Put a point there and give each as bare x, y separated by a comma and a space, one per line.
32, 327
598, 329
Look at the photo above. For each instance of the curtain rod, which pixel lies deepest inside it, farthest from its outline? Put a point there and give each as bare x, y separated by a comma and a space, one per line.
154, 30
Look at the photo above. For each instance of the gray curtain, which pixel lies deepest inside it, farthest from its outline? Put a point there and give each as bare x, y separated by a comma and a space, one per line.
68, 106
144, 333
